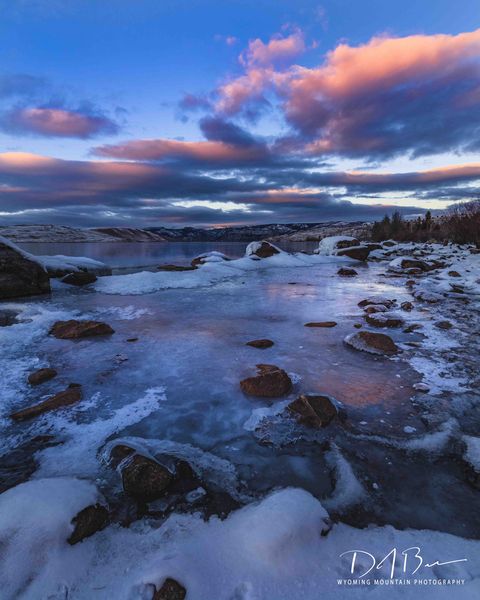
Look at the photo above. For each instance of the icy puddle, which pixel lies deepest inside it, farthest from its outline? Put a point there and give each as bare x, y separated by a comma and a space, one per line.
167, 382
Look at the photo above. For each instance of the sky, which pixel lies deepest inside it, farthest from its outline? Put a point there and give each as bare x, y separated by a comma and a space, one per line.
148, 113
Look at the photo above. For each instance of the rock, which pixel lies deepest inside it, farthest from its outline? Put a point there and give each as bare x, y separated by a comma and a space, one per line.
321, 324
374, 343
260, 343
388, 302
134, 339
421, 387
209, 257
262, 249
373, 246
119, 453
271, 382
411, 328
79, 278
425, 296
389, 243
410, 282
443, 325
355, 252
41, 376
408, 306
71, 330
357, 325
313, 410
170, 590
375, 308
384, 320
88, 521
454, 274
20, 274
8, 317
345, 272
175, 268
405, 263
145, 479
71, 395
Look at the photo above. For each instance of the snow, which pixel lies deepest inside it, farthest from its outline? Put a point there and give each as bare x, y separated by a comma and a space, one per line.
348, 489
271, 549
472, 452
254, 246
329, 245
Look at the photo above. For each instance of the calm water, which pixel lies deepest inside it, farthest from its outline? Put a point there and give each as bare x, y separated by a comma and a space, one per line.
122, 255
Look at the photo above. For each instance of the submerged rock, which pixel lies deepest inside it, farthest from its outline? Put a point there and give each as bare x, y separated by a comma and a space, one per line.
383, 319
41, 376
91, 519
271, 382
260, 343
374, 343
345, 272
71, 395
321, 324
20, 274
313, 410
70, 330
261, 249
170, 590
79, 278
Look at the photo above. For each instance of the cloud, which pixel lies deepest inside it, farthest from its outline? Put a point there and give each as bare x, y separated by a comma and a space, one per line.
20, 84
56, 122
418, 94
146, 194
279, 50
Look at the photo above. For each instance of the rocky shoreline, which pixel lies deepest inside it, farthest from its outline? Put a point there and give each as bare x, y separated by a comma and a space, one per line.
437, 295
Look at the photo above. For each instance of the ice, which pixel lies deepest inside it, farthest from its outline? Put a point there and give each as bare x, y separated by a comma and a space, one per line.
348, 489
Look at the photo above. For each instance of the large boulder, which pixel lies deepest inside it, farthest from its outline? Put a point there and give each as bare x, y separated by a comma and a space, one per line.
71, 395
145, 479
313, 410
71, 330
262, 249
20, 273
374, 343
355, 252
333, 243
270, 382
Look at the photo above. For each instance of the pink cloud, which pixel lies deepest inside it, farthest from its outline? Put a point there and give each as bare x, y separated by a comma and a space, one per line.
277, 50
207, 151
56, 122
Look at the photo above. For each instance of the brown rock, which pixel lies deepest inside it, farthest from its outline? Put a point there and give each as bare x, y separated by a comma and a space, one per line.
271, 382
357, 325
321, 324
260, 343
411, 328
145, 479
374, 301
412, 263
374, 343
342, 244
355, 252
454, 274
170, 590
175, 268
375, 308
345, 272
443, 325
20, 275
79, 278
408, 306
71, 395
134, 339
313, 411
266, 250
88, 521
71, 330
8, 317
41, 376
383, 320
119, 453
373, 246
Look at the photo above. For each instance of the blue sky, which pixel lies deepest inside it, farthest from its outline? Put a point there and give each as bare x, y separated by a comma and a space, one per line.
277, 96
